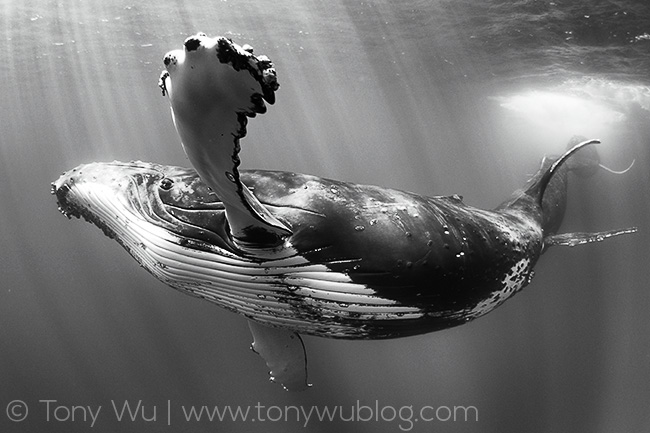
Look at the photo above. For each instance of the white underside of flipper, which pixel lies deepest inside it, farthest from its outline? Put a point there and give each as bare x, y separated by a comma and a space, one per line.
284, 354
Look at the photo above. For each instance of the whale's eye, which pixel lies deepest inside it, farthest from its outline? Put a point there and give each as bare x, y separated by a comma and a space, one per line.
166, 184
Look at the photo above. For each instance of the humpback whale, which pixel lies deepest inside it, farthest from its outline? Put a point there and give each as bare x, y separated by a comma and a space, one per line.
299, 254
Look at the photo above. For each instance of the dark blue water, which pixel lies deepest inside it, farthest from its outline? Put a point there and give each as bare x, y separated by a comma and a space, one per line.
435, 97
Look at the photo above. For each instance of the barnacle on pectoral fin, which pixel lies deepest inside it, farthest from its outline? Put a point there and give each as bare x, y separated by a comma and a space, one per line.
284, 354
162, 82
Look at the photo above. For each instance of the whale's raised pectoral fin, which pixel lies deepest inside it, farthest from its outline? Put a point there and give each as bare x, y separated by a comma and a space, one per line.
574, 239
284, 354
214, 86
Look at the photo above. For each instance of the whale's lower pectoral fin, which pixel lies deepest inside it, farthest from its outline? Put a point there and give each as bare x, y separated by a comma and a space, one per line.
284, 354
573, 239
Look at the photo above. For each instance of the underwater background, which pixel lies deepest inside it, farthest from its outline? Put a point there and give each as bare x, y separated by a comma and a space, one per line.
435, 97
